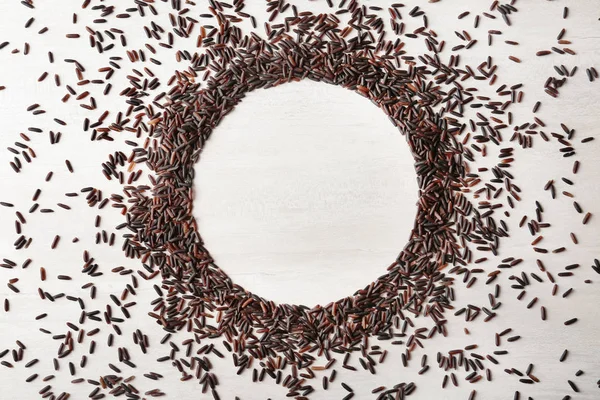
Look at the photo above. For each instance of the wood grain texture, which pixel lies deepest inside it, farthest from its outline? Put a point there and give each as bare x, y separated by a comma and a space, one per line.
305, 193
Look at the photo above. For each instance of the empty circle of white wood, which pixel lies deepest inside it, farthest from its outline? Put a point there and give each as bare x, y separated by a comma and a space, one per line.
306, 193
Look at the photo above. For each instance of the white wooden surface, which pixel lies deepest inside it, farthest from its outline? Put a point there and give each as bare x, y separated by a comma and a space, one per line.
306, 193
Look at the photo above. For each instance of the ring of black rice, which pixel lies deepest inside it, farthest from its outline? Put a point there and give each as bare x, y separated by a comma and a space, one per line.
167, 239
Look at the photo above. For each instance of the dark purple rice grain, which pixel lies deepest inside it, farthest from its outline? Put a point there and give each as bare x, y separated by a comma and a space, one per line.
346, 387
586, 218
573, 386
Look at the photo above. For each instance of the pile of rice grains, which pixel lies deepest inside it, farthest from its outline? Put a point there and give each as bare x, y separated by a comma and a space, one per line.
459, 225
